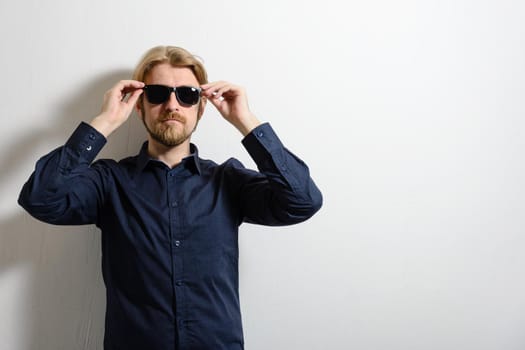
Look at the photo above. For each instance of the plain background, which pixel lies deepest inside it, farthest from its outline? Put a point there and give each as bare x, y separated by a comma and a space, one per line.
409, 114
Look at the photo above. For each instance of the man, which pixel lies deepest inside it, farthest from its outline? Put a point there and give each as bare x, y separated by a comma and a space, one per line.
169, 219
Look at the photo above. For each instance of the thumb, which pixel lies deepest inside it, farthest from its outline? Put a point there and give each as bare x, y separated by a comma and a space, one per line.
132, 100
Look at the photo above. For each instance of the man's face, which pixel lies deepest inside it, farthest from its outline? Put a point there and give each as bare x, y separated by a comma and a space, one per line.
170, 123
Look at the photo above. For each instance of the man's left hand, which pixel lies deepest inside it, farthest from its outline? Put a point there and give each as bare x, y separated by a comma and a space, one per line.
231, 101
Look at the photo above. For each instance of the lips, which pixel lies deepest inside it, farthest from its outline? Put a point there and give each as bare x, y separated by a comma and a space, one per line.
173, 117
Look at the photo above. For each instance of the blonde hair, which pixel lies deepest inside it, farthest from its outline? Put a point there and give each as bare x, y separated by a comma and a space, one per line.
176, 56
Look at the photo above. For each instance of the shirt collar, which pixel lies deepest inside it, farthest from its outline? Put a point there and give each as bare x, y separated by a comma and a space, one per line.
191, 161
193, 158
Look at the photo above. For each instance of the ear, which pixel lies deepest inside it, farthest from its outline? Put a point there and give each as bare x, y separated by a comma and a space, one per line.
202, 105
139, 106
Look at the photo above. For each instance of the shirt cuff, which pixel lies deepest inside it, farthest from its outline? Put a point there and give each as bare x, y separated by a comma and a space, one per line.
268, 152
262, 142
86, 142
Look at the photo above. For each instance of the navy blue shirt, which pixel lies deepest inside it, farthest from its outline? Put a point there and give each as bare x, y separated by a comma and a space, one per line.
170, 236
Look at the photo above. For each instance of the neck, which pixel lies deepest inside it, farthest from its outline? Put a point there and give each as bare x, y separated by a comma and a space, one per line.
171, 156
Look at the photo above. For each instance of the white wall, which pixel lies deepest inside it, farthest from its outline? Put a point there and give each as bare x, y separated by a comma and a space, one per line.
409, 113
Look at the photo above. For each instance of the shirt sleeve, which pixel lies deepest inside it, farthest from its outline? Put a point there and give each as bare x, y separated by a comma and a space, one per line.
282, 192
64, 188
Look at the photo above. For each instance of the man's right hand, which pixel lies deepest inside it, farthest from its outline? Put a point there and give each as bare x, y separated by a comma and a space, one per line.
118, 105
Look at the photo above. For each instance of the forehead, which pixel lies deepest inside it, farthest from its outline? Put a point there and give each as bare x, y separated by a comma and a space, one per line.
166, 74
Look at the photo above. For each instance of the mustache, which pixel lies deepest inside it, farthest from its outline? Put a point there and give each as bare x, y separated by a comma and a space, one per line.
172, 116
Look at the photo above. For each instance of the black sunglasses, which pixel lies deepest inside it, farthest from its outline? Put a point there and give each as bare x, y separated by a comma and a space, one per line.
187, 95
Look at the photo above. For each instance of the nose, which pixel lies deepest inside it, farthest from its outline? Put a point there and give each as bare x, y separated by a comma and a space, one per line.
172, 104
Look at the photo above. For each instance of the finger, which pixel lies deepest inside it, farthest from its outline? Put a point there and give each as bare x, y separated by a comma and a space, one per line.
219, 104
130, 84
125, 88
212, 84
210, 89
222, 90
225, 92
132, 100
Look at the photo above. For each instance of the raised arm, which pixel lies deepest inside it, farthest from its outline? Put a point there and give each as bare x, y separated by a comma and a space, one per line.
65, 188
118, 104
282, 192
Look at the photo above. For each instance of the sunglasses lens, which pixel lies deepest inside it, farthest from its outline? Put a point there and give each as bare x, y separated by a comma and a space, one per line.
187, 94
157, 94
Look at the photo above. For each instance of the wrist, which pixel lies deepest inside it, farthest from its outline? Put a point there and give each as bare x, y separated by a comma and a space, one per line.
247, 124
103, 125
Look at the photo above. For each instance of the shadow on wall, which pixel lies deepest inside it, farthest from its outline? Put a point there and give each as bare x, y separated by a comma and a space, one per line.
52, 273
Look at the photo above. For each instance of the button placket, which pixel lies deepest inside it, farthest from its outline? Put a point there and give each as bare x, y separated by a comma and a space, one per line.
176, 232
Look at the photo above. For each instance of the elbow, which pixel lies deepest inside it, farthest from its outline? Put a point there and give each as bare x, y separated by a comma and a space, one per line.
43, 209
25, 200
37, 210
302, 210
315, 203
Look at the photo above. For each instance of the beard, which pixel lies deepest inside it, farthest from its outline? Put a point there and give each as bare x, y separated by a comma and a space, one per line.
166, 134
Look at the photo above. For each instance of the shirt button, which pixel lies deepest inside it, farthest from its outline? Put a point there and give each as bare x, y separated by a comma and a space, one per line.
260, 134
175, 204
179, 283
89, 148
91, 136
177, 243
